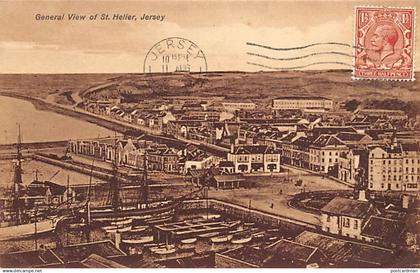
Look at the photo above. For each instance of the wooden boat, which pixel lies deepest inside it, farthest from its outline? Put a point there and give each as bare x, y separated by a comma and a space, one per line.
162, 250
122, 222
17, 228
30, 229
142, 240
189, 240
211, 216
208, 235
138, 229
242, 240
105, 228
118, 229
258, 235
221, 239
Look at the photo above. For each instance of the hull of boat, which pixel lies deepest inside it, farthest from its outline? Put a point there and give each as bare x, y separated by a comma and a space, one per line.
138, 229
189, 241
143, 240
208, 235
118, 229
162, 250
106, 212
221, 239
122, 222
27, 230
242, 240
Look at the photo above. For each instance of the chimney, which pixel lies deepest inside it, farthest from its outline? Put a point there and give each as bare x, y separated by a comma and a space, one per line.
117, 240
232, 147
362, 195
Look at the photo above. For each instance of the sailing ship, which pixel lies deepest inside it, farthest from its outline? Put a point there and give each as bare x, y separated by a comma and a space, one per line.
150, 212
22, 222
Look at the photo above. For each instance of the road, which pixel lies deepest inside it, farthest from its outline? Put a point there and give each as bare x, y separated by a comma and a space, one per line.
272, 194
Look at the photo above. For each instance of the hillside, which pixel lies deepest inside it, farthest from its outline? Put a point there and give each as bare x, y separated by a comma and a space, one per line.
260, 86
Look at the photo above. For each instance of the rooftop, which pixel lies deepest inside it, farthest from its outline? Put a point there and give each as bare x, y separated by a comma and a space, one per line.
386, 229
345, 252
347, 207
301, 98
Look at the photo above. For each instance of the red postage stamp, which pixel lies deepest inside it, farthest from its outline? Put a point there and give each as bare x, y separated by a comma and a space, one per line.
384, 43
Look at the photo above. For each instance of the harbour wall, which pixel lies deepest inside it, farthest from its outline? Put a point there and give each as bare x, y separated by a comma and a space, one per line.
251, 215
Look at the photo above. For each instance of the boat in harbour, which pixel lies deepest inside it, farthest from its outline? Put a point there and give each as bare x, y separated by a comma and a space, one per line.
189, 241
164, 249
117, 229
141, 240
242, 240
209, 235
221, 238
138, 229
29, 229
151, 212
22, 221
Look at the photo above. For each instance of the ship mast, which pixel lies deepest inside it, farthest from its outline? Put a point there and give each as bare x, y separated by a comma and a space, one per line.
114, 180
145, 184
17, 180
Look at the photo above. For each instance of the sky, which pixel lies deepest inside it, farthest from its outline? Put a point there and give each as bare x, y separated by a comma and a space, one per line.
221, 29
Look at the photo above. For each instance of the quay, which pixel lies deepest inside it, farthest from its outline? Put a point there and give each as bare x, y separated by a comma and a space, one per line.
248, 214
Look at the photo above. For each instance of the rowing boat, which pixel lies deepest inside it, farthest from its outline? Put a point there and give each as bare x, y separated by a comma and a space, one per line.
142, 240
189, 241
208, 235
242, 240
221, 239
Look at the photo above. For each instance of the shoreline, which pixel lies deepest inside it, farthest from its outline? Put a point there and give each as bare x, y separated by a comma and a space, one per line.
42, 105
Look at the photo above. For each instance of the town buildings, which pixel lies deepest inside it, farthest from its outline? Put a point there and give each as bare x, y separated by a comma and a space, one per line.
254, 158
394, 167
301, 103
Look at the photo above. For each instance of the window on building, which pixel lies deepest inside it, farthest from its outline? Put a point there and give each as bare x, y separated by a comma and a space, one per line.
371, 185
382, 185
397, 185
356, 224
346, 222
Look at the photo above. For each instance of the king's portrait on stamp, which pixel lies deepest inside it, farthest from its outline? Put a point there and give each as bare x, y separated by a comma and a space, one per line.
384, 42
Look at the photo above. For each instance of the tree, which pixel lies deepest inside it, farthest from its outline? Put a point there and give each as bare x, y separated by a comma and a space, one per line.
352, 105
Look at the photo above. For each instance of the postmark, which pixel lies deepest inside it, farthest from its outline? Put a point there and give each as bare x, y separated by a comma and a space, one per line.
384, 43
173, 55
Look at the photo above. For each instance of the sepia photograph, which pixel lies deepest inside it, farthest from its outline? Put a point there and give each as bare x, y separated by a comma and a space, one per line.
209, 134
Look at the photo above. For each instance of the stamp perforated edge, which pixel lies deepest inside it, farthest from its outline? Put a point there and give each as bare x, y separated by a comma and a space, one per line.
413, 75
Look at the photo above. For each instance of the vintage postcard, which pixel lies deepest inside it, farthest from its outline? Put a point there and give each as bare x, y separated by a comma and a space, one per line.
209, 134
